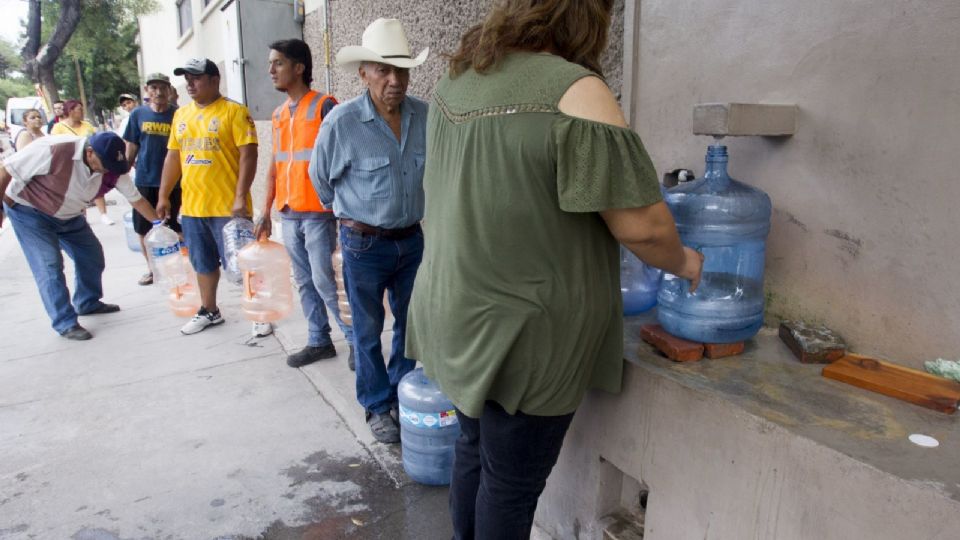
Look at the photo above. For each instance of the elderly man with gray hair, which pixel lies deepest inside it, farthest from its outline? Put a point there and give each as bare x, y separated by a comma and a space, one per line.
368, 164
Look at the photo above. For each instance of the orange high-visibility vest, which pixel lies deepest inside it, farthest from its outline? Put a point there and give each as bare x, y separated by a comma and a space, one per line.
293, 140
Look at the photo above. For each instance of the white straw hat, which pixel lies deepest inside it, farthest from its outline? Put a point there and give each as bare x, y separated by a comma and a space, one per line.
383, 41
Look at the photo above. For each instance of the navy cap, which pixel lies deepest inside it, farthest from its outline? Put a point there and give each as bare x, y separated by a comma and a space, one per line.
111, 150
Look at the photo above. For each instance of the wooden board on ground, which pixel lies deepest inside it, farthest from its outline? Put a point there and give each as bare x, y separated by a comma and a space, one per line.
900, 382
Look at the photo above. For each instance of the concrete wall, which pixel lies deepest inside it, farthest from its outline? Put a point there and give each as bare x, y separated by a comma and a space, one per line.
864, 232
436, 24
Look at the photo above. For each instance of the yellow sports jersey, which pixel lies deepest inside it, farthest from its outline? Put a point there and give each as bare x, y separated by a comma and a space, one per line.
208, 139
86, 129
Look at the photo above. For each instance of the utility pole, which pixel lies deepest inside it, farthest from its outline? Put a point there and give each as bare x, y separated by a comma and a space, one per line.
83, 94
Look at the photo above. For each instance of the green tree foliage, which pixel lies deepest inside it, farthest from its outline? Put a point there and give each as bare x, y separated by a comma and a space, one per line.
12, 82
105, 46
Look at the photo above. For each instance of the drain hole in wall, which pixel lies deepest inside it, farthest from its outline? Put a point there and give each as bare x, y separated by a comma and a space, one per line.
623, 504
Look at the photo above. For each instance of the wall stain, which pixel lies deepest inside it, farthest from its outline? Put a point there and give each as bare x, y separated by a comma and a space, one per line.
850, 244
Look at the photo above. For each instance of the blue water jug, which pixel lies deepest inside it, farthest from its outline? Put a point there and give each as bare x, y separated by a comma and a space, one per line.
428, 429
638, 283
728, 222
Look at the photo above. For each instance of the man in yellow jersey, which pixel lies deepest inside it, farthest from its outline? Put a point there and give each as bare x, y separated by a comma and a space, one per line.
309, 229
213, 146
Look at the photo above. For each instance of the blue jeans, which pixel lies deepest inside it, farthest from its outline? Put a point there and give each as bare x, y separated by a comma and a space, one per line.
42, 237
310, 243
371, 265
500, 467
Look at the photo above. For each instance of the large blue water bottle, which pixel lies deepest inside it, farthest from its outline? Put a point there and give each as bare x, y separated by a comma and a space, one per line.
728, 222
638, 283
428, 429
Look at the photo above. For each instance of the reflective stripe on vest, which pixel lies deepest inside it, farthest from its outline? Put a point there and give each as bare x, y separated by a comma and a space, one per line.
292, 147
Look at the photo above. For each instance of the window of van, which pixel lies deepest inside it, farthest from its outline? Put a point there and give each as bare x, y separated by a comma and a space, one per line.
16, 116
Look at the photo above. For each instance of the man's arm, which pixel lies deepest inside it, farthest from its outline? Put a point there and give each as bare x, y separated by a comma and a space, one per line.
248, 168
168, 179
319, 168
265, 225
146, 209
132, 149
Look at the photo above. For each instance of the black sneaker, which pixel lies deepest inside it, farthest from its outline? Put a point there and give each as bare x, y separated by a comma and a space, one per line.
383, 427
201, 320
351, 362
77, 333
103, 308
311, 354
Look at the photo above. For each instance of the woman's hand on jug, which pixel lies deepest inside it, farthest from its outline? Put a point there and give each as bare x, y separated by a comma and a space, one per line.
692, 267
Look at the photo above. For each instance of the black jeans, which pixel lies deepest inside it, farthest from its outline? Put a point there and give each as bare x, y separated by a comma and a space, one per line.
501, 465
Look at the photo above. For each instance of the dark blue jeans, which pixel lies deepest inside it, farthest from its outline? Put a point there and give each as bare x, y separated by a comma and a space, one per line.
500, 468
42, 237
372, 265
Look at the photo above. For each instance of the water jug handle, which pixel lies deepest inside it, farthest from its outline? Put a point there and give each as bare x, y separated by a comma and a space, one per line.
248, 279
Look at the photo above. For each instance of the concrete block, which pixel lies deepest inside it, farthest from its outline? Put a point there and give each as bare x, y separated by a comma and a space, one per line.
722, 350
741, 119
812, 344
676, 349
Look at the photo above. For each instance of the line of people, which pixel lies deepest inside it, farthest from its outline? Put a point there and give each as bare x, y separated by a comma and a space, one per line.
503, 282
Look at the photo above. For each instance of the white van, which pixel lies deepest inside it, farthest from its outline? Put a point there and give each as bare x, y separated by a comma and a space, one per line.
16, 106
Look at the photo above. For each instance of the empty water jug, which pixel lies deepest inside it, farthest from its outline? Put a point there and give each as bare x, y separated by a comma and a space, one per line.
267, 294
172, 271
428, 429
728, 222
638, 283
237, 233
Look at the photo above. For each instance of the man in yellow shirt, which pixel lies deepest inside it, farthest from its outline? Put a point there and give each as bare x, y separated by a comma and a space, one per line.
213, 146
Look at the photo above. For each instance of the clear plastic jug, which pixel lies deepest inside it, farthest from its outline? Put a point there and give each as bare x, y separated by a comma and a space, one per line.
237, 233
345, 315
172, 271
267, 292
638, 283
728, 222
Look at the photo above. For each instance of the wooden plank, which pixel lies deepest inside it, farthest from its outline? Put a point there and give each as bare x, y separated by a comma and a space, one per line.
917, 387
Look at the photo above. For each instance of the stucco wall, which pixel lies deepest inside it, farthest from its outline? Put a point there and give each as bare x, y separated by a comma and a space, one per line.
429, 23
864, 230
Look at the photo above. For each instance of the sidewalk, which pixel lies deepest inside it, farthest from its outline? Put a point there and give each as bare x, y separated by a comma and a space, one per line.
144, 433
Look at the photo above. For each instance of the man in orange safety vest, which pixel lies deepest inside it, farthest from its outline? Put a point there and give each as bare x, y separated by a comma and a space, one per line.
309, 230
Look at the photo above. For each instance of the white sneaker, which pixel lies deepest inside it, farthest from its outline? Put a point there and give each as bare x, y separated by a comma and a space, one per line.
201, 320
261, 329
105, 219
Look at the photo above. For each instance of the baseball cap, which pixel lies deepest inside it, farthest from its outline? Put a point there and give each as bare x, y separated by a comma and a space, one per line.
157, 77
198, 66
111, 150
125, 97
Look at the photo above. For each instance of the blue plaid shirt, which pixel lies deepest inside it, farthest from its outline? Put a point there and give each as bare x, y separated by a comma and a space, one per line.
360, 168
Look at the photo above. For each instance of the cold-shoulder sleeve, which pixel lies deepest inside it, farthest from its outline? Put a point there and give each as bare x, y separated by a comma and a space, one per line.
600, 167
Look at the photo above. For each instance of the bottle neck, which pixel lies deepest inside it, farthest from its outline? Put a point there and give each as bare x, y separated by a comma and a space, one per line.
716, 171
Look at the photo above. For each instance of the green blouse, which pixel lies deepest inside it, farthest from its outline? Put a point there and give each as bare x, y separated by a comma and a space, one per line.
518, 296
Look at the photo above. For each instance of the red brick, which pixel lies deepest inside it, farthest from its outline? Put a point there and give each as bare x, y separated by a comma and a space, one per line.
722, 350
676, 349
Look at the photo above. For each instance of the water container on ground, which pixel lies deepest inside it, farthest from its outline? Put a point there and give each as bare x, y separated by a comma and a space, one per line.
133, 239
267, 292
638, 283
237, 233
728, 222
428, 429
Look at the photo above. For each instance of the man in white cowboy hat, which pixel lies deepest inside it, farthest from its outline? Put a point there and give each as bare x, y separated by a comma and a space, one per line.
368, 165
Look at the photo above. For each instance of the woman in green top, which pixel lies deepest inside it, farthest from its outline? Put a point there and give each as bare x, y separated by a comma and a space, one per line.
532, 178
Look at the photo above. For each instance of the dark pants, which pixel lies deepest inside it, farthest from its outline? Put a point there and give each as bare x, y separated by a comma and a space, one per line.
372, 265
500, 468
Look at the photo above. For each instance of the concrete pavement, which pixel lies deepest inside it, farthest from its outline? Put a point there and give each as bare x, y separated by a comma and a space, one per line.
142, 433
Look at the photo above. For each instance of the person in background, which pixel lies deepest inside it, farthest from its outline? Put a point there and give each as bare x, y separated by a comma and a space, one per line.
33, 122
57, 115
146, 134
73, 123
127, 102
309, 229
46, 188
533, 181
213, 145
368, 165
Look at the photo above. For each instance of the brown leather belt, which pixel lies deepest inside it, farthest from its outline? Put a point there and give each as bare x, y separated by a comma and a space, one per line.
370, 230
